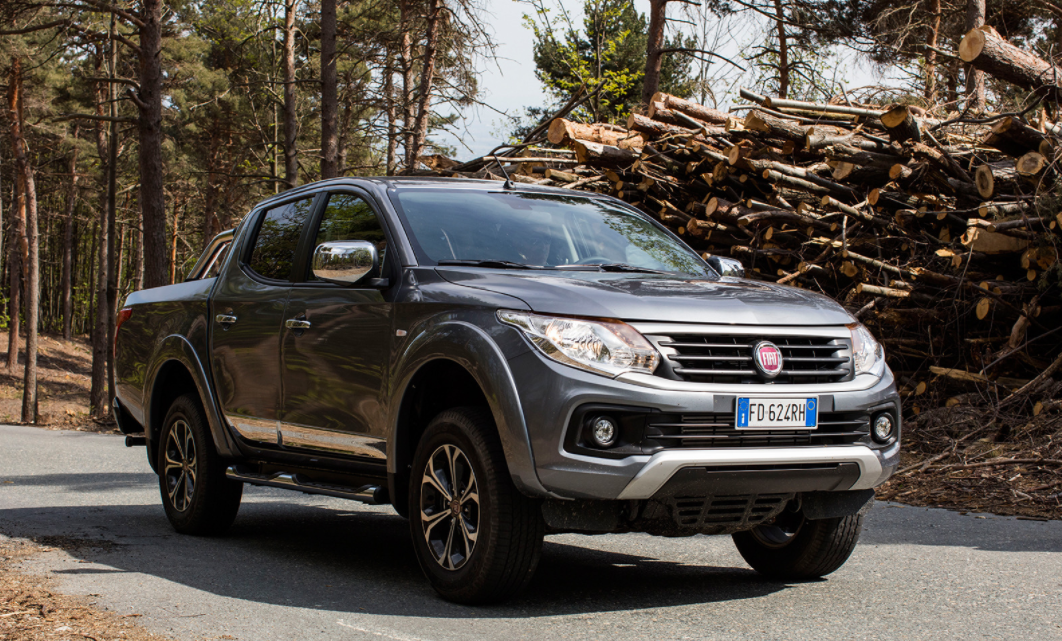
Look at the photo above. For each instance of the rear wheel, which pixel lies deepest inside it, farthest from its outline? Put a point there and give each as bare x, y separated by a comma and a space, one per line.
794, 548
195, 493
477, 538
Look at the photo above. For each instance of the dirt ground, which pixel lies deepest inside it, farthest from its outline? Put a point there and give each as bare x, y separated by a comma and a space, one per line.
63, 378
31, 611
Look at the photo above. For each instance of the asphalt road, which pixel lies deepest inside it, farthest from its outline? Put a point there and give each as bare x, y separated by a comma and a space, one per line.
304, 567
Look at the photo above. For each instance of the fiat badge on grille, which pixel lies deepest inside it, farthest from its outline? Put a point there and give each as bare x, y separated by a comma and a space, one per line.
768, 359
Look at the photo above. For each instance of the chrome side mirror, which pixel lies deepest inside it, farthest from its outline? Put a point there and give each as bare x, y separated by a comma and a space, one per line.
727, 266
345, 262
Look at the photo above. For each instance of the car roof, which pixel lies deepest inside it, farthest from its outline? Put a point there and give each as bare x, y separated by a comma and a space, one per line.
424, 182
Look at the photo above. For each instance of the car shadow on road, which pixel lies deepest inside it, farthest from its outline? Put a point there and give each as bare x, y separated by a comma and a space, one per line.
314, 557
318, 554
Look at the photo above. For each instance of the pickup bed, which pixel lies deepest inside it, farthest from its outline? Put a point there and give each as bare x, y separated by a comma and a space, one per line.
498, 363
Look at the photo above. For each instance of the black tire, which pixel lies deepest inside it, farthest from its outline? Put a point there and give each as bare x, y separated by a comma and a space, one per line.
506, 527
198, 499
796, 549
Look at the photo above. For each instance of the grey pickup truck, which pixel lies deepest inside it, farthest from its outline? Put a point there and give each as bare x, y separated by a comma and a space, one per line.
499, 362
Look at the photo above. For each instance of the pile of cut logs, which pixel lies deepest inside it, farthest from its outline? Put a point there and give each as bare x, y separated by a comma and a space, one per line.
940, 232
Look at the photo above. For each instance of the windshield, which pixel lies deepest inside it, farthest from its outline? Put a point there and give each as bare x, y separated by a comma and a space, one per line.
548, 230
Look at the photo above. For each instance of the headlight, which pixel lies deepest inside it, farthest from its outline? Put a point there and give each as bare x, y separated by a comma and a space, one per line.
867, 352
604, 347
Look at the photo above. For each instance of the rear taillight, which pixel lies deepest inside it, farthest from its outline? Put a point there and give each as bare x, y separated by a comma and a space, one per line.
123, 315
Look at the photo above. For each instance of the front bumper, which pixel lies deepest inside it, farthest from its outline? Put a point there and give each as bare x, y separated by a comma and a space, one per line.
550, 393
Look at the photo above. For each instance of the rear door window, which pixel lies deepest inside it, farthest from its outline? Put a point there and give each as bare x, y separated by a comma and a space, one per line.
278, 238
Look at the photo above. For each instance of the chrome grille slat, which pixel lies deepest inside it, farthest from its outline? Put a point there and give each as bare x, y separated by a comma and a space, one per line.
728, 358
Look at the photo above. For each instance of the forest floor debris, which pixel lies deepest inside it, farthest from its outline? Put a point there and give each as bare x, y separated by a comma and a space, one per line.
64, 381
31, 609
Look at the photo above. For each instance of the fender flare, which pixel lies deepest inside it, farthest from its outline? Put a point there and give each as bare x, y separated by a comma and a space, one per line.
473, 349
177, 348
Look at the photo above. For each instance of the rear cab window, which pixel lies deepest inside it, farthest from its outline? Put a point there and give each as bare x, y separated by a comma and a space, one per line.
277, 240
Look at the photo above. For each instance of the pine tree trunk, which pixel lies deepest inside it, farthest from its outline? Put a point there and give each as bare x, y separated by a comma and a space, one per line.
149, 129
329, 92
783, 51
15, 249
405, 26
28, 191
427, 80
98, 377
653, 57
931, 55
68, 245
975, 78
291, 122
392, 115
138, 261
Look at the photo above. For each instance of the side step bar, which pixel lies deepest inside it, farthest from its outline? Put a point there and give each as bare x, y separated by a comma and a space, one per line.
370, 494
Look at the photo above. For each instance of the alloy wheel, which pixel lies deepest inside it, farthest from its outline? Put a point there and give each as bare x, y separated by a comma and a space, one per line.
179, 466
449, 507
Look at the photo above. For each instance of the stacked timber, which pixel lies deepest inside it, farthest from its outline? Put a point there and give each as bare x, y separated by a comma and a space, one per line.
942, 235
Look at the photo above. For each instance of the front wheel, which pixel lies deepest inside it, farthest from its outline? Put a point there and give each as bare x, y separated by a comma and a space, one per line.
195, 493
477, 538
792, 547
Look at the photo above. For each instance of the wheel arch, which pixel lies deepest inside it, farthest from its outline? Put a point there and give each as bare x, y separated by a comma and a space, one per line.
456, 364
177, 370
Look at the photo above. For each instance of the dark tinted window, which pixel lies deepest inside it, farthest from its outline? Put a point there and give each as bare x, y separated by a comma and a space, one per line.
278, 236
349, 217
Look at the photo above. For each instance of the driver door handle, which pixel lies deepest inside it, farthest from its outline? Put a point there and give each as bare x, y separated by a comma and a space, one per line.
297, 323
225, 319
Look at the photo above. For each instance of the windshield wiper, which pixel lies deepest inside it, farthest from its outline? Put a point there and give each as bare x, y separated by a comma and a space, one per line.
624, 267
474, 262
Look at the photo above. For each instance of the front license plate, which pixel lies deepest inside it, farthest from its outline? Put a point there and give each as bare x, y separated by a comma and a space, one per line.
777, 413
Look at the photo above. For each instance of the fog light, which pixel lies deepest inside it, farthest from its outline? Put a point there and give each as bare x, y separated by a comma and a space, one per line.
603, 431
882, 431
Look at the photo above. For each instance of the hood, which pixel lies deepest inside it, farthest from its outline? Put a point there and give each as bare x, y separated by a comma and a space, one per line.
655, 297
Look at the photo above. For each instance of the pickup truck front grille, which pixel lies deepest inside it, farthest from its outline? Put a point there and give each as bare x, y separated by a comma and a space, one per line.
722, 358
717, 430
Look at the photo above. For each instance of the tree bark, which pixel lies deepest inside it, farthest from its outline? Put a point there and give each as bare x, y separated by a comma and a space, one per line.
931, 55
329, 92
988, 51
405, 27
783, 51
391, 112
653, 45
291, 122
427, 79
975, 78
28, 190
149, 128
901, 124
18, 246
98, 379
68, 245
690, 108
